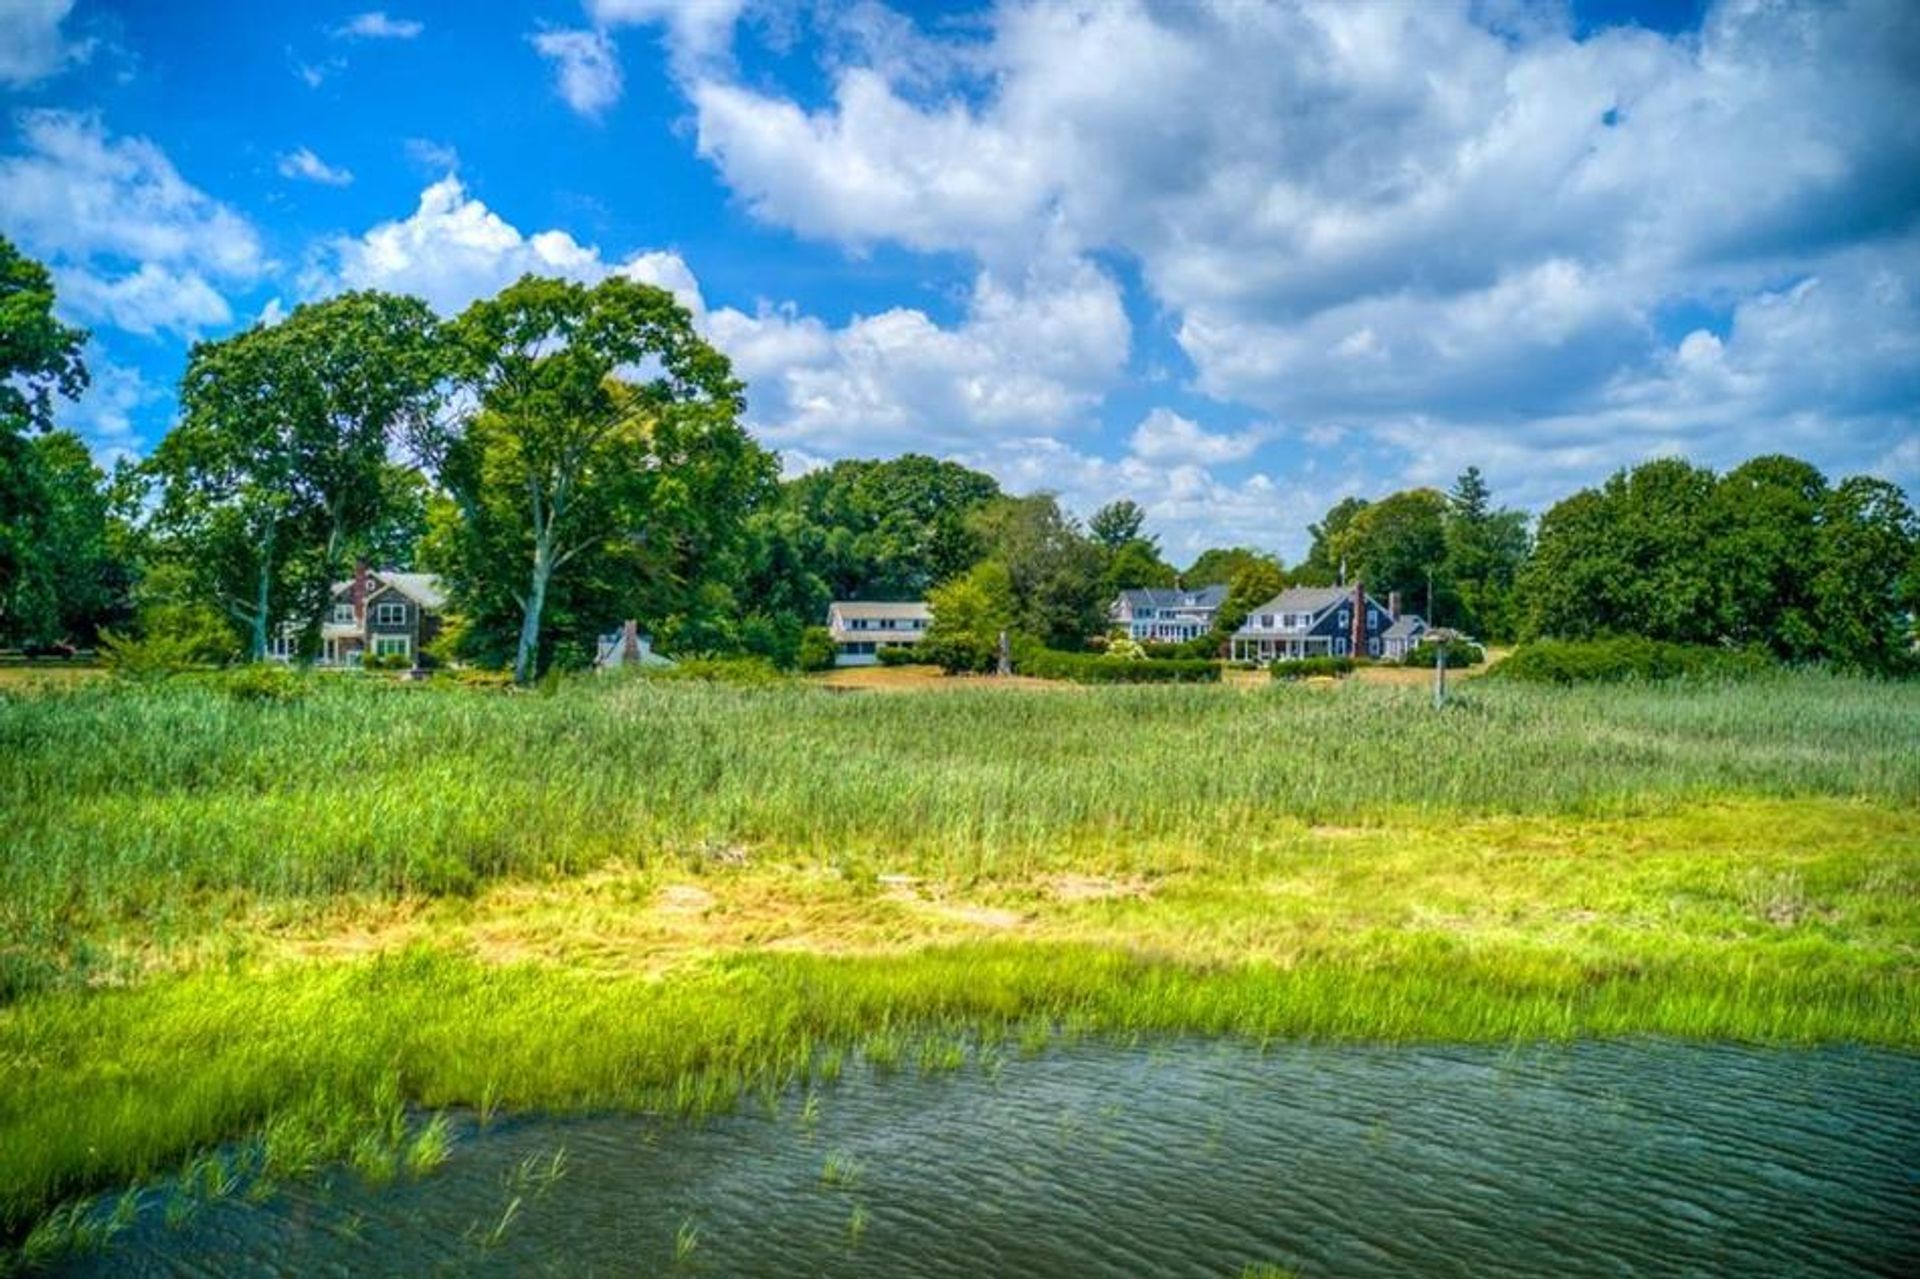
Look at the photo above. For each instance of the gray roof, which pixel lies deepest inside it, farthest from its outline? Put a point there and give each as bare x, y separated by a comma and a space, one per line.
1175, 597
1406, 626
1306, 599
886, 609
424, 589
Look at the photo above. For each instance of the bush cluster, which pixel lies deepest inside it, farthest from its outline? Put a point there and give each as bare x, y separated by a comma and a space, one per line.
1201, 647
263, 682
1089, 668
1459, 653
1305, 667
817, 651
1608, 661
900, 655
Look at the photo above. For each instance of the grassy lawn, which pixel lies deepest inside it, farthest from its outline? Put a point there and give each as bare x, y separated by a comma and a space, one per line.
291, 918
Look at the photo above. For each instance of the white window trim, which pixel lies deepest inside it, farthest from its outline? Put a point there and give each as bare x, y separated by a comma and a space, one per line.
381, 616
392, 646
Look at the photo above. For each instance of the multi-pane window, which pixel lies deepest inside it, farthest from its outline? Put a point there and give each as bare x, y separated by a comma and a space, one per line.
343, 614
390, 646
390, 615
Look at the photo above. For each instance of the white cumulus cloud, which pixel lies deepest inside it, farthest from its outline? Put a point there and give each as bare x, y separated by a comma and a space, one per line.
586, 71
89, 203
32, 45
376, 25
304, 165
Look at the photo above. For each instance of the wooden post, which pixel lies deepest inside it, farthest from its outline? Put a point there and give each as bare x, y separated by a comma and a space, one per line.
1440, 676
1004, 666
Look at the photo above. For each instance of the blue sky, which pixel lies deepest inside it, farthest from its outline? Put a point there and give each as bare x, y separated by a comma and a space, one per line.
1233, 261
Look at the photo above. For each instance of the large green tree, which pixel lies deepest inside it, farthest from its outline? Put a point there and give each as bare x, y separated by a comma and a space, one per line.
1632, 557
1485, 548
1398, 543
1221, 564
1324, 565
969, 615
1055, 569
40, 359
886, 529
279, 469
1766, 516
81, 569
1118, 523
600, 448
1866, 583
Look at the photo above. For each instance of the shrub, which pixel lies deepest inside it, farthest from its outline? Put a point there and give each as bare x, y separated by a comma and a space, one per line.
480, 677
1627, 657
1089, 668
264, 682
900, 655
155, 657
816, 649
1200, 647
1459, 653
386, 662
958, 654
1306, 667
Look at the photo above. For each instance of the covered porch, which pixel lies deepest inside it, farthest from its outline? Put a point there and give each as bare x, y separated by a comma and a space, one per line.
1279, 648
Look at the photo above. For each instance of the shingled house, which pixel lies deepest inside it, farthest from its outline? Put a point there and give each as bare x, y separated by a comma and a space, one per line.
861, 628
372, 614
1166, 615
1325, 621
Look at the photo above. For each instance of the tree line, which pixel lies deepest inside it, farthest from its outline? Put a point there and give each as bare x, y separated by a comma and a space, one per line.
568, 455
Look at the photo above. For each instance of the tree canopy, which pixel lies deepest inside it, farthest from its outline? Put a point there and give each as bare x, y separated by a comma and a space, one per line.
1766, 555
564, 465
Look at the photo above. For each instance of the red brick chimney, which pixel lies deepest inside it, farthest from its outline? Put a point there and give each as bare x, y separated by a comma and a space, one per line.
1393, 606
1359, 620
360, 593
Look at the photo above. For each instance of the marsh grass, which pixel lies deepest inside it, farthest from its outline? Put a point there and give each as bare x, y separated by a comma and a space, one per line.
152, 807
1705, 861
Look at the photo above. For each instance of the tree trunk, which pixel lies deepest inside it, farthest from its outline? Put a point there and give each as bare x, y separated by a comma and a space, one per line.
258, 622
530, 611
310, 641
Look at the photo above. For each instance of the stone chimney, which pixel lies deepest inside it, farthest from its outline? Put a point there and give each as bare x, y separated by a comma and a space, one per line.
360, 593
1393, 606
1359, 648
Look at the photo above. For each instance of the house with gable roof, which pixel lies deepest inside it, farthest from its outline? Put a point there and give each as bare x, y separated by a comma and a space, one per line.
372, 614
1166, 615
861, 628
1326, 621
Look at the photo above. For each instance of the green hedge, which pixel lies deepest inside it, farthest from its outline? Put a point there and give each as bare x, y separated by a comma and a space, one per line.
1201, 648
1089, 668
1303, 667
1459, 653
1609, 661
900, 655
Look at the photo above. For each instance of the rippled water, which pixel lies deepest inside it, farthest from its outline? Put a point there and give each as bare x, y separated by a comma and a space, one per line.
1190, 1158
